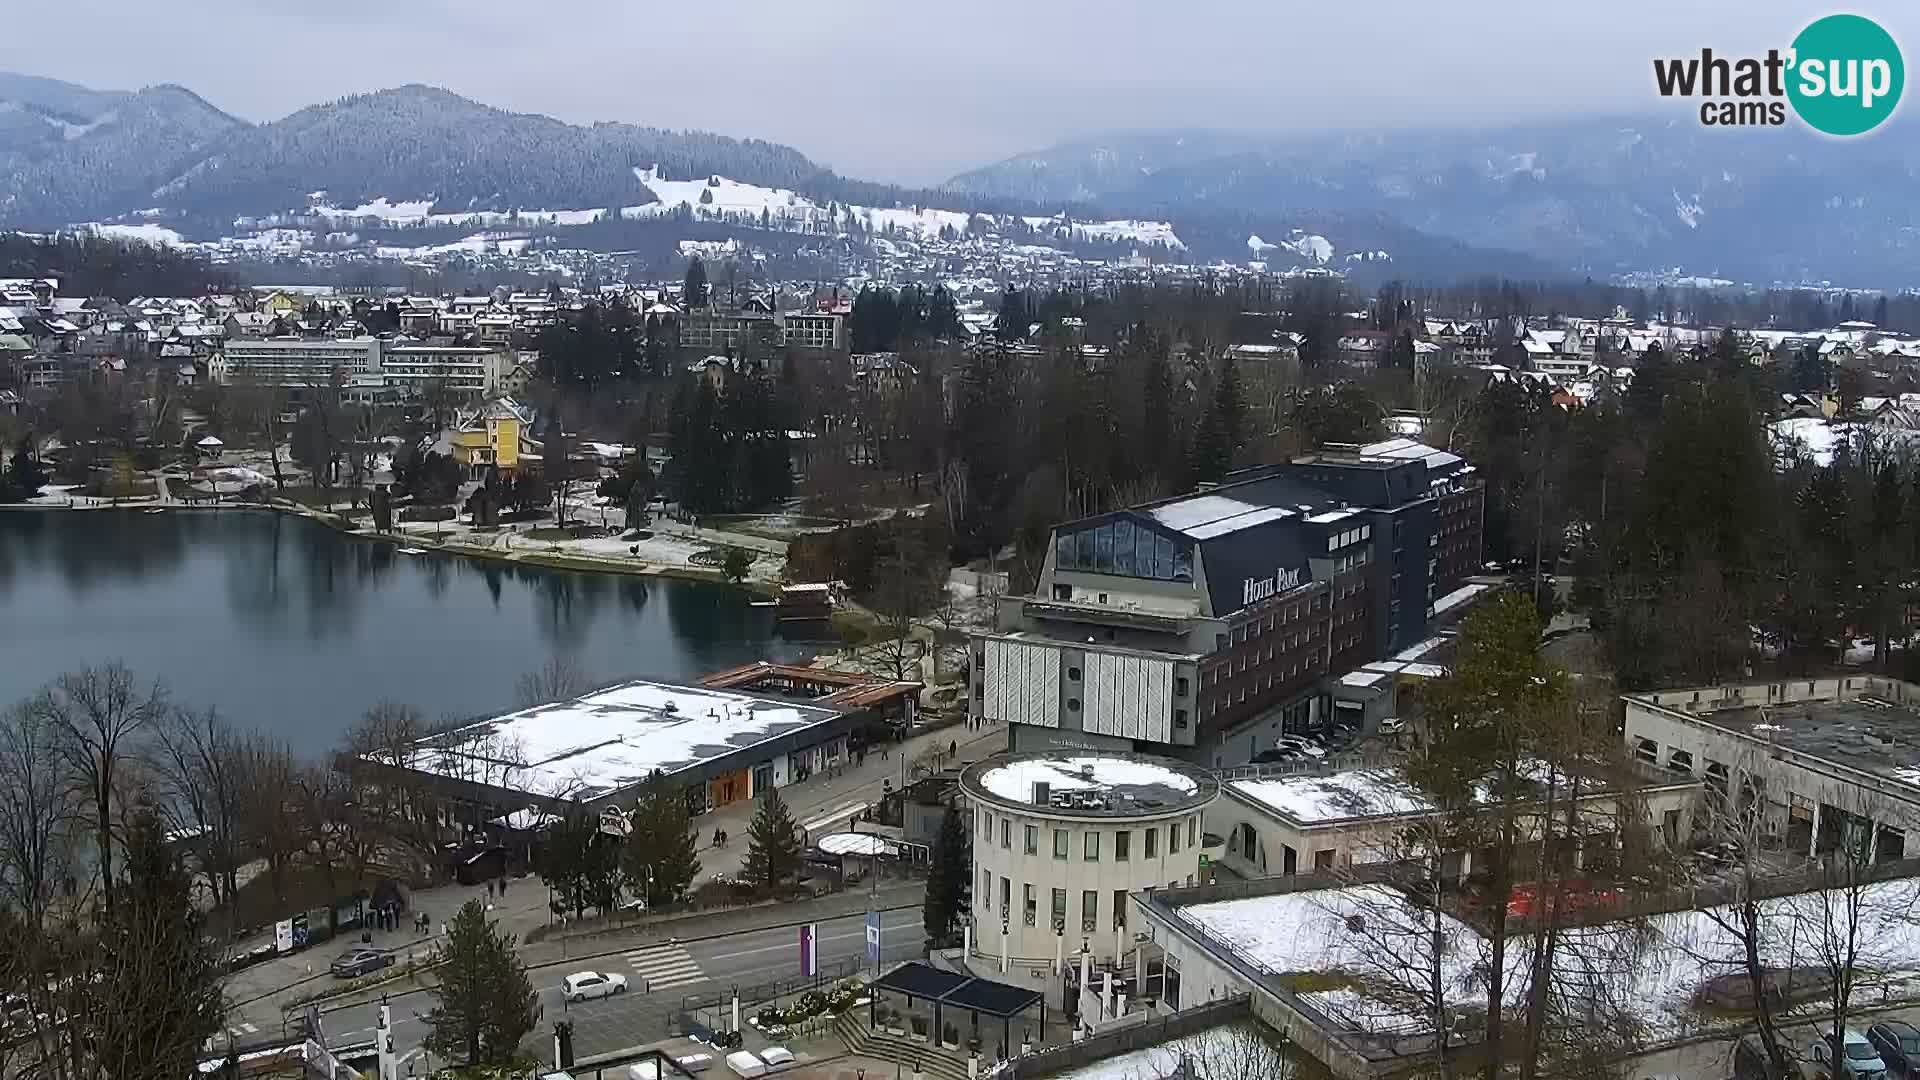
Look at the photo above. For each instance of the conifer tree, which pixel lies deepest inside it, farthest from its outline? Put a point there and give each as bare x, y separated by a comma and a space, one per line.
950, 881
157, 996
484, 1003
659, 860
694, 293
773, 847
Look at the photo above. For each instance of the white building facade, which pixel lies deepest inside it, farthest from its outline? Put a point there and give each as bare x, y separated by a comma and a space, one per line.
1061, 838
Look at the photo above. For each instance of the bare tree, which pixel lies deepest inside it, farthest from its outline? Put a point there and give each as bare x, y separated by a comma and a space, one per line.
98, 714
270, 806
560, 678
198, 758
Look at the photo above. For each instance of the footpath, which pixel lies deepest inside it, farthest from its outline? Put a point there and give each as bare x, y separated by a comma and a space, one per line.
819, 805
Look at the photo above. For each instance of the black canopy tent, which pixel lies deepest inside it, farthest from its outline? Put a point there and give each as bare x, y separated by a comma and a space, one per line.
948, 989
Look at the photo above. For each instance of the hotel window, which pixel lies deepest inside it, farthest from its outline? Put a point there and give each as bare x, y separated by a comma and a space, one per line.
1120, 840
1119, 909
1193, 824
1059, 909
1090, 847
1033, 839
986, 891
1089, 911
1006, 833
1060, 843
1153, 841
1032, 903
1006, 899
1173, 839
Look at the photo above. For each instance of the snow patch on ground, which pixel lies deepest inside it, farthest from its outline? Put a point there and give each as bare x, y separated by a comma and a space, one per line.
158, 235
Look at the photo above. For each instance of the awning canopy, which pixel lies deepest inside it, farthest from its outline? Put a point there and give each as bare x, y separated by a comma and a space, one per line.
953, 990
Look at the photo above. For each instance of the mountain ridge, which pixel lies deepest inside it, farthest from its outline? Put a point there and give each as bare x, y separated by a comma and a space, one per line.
1600, 195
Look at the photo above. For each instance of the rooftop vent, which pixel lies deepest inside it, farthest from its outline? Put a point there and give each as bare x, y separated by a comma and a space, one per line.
1086, 772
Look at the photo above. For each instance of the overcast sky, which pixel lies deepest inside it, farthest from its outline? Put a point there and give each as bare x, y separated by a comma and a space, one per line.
914, 92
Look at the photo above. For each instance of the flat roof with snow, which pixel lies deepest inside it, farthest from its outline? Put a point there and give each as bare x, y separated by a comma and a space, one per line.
1100, 785
604, 742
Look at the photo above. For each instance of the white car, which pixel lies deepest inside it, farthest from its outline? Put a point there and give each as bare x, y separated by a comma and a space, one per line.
587, 985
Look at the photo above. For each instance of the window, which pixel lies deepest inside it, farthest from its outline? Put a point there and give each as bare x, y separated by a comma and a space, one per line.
1090, 847
1153, 841
1089, 911
1173, 839
1180, 718
1180, 686
1033, 839
1006, 899
1006, 833
1119, 909
1059, 909
1103, 598
1323, 859
986, 823
1032, 903
986, 892
1060, 843
1063, 592
1073, 704
1120, 840
1193, 824
1073, 674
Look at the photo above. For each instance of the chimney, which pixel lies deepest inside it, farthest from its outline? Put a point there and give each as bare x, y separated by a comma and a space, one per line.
1042, 793
1086, 772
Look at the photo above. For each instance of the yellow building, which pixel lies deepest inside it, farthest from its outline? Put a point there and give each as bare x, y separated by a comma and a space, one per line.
279, 304
493, 436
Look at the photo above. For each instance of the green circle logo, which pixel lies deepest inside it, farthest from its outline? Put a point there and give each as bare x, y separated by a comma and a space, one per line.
1847, 75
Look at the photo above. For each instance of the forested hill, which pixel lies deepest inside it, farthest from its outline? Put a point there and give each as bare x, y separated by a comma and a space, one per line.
422, 143
70, 154
92, 266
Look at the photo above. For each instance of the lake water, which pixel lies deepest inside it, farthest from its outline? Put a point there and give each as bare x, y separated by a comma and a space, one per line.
292, 628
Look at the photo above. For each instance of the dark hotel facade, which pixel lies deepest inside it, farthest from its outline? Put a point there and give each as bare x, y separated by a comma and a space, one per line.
1165, 627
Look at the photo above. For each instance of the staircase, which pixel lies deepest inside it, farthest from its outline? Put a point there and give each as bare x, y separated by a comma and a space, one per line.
912, 1054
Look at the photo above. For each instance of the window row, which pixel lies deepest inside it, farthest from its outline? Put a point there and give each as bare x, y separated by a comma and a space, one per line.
1089, 847
1119, 547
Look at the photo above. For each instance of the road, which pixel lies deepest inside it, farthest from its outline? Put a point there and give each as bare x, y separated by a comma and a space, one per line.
660, 978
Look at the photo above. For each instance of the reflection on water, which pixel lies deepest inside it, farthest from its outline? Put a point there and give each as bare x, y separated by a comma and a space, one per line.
297, 629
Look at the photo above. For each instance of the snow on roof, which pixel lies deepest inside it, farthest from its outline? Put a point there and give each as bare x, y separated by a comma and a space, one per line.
1435, 457
1166, 1060
1362, 678
1419, 649
1206, 516
849, 843
1144, 780
1457, 597
1312, 799
1312, 930
611, 739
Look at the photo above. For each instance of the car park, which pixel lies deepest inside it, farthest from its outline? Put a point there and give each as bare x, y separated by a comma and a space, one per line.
587, 985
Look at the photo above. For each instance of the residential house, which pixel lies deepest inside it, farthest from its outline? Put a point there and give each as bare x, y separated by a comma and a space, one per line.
495, 436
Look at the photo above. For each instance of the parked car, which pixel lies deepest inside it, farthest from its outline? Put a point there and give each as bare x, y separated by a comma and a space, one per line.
351, 965
1898, 1043
1577, 898
587, 985
1300, 745
1858, 1060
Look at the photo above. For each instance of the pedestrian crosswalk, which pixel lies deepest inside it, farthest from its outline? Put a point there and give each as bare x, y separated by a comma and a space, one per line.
662, 967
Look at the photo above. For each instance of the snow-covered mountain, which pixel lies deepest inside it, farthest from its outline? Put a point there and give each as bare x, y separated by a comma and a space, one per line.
1595, 196
417, 169
68, 153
